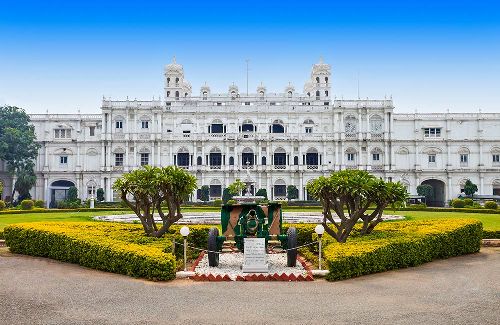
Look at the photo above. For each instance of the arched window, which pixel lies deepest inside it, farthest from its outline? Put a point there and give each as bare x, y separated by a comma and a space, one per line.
277, 127
317, 80
264, 160
290, 94
247, 157
168, 81
183, 157
279, 189
376, 125
176, 95
215, 157
312, 157
247, 126
326, 93
326, 79
185, 94
308, 94
177, 81
205, 94
261, 94
377, 156
351, 126
199, 161
216, 127
317, 94
279, 157
350, 156
231, 161
168, 93
215, 189
296, 160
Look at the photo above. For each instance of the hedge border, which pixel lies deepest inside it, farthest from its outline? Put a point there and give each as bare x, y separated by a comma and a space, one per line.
403, 252
105, 255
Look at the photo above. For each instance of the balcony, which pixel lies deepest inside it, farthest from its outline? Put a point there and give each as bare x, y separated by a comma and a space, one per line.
312, 167
215, 167
282, 167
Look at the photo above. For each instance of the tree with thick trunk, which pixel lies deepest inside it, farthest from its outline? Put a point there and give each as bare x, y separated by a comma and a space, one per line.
351, 194
154, 189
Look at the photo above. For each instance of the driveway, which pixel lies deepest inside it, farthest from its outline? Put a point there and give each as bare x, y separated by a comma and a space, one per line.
460, 290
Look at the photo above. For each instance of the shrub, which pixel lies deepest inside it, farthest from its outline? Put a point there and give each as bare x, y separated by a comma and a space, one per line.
100, 195
2, 205
230, 202
458, 203
491, 205
284, 204
217, 203
112, 247
39, 204
27, 204
468, 202
402, 244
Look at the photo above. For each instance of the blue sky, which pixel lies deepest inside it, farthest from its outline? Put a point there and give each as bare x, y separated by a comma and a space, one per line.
431, 56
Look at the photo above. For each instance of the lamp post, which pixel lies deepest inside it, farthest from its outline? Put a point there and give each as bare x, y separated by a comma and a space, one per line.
185, 233
319, 229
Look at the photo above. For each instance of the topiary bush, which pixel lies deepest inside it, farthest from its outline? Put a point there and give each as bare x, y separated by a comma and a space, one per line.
27, 204
468, 202
217, 203
491, 205
39, 204
458, 203
2, 205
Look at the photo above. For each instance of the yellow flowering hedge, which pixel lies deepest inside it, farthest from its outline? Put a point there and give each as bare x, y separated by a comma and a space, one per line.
395, 245
113, 247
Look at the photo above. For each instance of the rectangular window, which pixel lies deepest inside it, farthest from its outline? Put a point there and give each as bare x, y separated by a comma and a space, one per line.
309, 129
63, 160
376, 157
62, 133
144, 159
217, 128
119, 124
92, 131
145, 124
464, 159
118, 159
350, 157
496, 158
432, 132
432, 159
247, 103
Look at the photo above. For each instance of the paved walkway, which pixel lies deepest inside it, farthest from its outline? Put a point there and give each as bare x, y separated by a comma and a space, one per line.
461, 290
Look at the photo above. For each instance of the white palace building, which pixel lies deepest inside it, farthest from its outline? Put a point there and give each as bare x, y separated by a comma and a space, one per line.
284, 139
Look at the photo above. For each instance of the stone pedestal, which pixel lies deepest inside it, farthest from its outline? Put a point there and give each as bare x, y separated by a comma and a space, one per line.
255, 256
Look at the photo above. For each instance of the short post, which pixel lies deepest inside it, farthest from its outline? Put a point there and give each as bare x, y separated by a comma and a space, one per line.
185, 233
319, 229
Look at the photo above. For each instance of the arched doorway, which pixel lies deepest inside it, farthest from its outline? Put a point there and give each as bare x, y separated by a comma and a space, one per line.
438, 196
59, 191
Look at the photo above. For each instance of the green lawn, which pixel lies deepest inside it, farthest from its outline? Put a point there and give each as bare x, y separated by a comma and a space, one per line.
8, 219
490, 221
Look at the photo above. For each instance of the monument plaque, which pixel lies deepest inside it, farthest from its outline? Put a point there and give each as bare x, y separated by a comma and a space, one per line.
255, 257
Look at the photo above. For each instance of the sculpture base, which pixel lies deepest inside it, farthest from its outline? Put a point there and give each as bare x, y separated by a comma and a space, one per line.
255, 268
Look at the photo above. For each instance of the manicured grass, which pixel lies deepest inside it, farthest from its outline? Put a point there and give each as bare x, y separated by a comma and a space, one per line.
490, 222
8, 219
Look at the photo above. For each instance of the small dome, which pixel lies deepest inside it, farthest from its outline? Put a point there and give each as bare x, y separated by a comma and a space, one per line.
174, 67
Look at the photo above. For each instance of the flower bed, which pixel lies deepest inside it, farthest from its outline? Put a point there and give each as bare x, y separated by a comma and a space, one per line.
396, 245
117, 248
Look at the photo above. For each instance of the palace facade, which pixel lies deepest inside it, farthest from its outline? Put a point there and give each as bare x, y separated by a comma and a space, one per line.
284, 139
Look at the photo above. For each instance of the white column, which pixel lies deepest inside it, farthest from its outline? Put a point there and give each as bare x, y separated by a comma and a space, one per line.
46, 191
152, 162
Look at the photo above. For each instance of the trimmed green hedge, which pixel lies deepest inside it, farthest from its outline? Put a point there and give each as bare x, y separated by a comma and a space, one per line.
465, 210
38, 210
112, 247
402, 244
491, 234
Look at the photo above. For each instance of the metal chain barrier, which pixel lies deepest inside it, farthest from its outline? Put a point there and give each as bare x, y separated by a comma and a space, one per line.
216, 252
